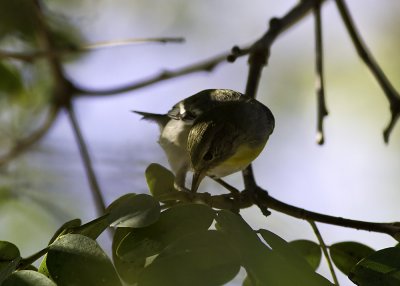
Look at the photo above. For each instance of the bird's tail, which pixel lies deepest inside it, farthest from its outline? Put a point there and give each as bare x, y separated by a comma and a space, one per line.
160, 119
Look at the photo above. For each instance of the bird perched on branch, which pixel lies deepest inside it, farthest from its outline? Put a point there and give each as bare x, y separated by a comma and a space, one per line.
215, 133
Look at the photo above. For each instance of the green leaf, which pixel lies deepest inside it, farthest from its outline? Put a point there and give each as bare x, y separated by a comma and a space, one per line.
284, 249
173, 223
380, 268
94, 228
127, 270
65, 228
75, 259
309, 250
159, 179
17, 17
345, 255
263, 265
247, 282
9, 259
10, 80
28, 278
202, 258
8, 251
133, 210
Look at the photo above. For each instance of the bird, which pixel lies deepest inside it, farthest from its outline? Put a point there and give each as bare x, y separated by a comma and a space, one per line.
215, 133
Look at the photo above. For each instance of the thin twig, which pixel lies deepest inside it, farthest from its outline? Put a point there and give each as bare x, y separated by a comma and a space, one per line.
391, 94
22, 145
204, 65
320, 81
35, 55
325, 251
25, 262
87, 162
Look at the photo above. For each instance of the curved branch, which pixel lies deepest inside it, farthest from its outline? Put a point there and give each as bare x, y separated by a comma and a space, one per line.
205, 65
391, 94
260, 197
24, 144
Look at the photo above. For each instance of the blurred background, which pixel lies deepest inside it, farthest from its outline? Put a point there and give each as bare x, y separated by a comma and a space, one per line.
353, 175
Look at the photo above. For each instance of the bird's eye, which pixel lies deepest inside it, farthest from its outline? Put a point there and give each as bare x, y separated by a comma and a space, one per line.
207, 156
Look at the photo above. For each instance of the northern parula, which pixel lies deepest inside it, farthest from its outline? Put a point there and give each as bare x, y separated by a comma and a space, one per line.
215, 133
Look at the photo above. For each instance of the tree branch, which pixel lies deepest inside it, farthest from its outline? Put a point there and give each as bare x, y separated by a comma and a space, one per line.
391, 94
22, 145
87, 162
35, 55
261, 198
319, 70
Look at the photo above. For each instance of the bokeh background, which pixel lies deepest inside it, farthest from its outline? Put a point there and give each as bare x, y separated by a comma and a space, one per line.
353, 175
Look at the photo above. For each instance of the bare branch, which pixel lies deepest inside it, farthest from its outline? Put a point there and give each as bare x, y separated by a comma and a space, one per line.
391, 94
87, 162
22, 145
205, 65
31, 56
320, 81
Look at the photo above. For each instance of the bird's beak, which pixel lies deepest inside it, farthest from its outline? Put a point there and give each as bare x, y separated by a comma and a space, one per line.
197, 178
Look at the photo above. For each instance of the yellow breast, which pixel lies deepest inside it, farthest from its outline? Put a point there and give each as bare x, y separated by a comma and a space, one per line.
241, 159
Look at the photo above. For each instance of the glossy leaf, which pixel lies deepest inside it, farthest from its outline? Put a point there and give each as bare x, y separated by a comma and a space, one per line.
94, 228
309, 250
345, 255
173, 224
159, 179
133, 210
263, 265
380, 268
28, 278
75, 259
8, 251
202, 258
127, 270
9, 259
65, 228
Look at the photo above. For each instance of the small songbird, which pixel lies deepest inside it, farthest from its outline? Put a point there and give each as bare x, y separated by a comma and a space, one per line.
215, 133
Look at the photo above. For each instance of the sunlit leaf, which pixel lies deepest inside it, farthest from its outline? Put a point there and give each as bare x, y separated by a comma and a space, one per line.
173, 224
75, 259
133, 210
345, 255
202, 258
263, 265
309, 250
380, 268
28, 278
159, 179
127, 270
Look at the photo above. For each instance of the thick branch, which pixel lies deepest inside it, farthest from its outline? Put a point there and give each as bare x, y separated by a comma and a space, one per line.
391, 94
261, 198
